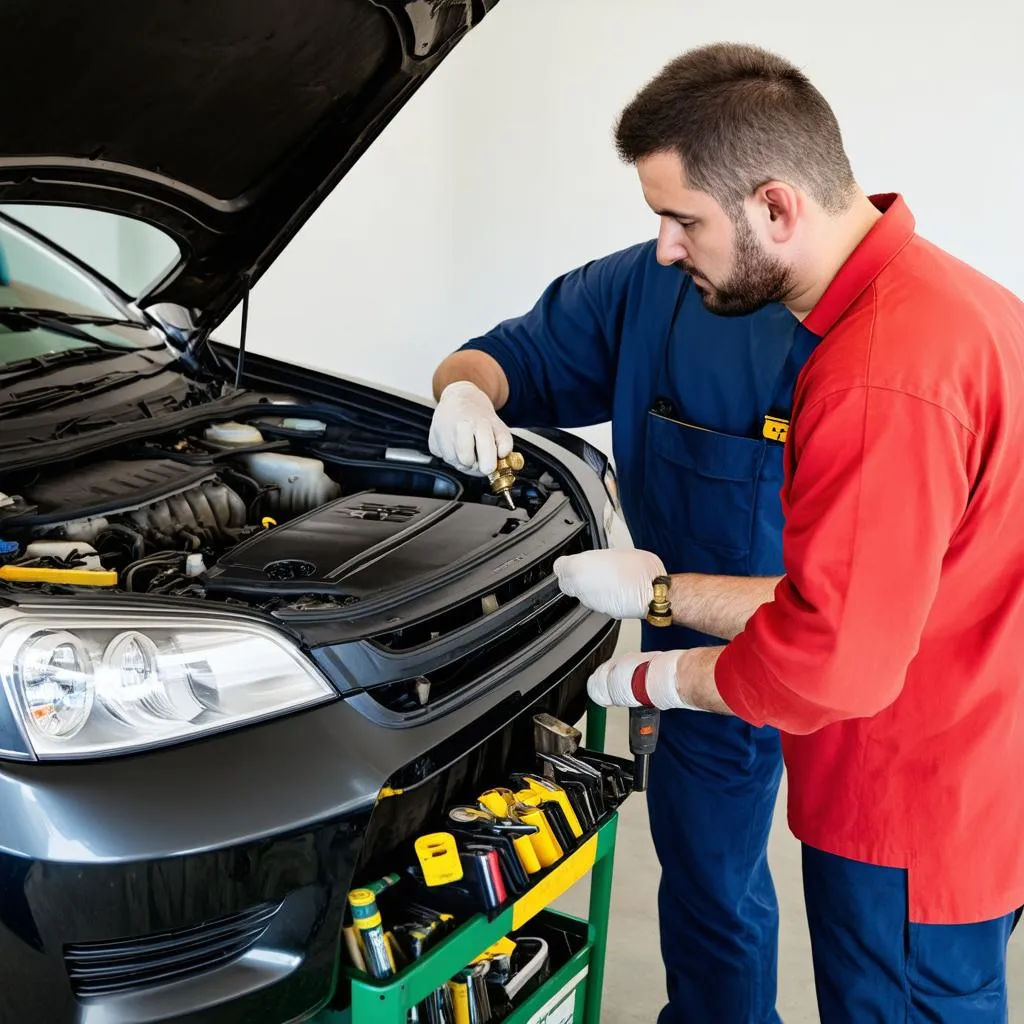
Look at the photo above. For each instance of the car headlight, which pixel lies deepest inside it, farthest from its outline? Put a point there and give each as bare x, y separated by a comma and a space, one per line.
85, 687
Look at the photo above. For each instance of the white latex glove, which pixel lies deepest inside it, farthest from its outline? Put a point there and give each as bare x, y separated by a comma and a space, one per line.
611, 685
616, 581
466, 431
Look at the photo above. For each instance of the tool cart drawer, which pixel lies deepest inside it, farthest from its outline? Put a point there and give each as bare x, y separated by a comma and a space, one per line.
438, 942
561, 997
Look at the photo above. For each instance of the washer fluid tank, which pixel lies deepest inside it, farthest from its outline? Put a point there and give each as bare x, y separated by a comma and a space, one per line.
301, 483
232, 435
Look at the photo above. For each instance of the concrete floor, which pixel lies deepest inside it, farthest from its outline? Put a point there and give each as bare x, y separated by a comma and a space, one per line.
634, 989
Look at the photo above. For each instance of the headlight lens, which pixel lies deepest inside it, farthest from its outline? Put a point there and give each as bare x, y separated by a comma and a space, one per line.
142, 686
85, 688
57, 685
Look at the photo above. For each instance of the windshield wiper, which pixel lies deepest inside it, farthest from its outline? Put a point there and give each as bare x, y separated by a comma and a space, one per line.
35, 366
60, 316
19, 317
48, 397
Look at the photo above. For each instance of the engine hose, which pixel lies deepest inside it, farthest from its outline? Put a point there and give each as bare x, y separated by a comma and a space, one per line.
263, 492
134, 538
193, 541
229, 473
159, 559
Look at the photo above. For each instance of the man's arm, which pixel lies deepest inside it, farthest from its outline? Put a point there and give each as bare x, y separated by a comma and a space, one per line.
555, 365
478, 368
880, 486
669, 680
620, 582
719, 605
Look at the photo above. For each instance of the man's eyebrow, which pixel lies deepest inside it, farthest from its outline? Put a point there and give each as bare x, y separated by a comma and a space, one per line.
675, 215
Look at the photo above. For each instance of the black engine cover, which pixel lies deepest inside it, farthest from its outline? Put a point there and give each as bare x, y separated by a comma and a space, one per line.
361, 546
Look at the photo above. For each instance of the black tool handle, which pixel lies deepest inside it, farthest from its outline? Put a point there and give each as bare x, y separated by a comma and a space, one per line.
643, 738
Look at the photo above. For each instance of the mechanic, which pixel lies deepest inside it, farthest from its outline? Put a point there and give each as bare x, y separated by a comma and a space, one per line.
889, 653
628, 340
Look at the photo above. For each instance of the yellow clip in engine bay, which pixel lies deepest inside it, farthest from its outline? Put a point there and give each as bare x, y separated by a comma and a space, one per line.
69, 577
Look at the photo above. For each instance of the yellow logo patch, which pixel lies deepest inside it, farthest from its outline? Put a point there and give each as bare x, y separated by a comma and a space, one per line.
775, 429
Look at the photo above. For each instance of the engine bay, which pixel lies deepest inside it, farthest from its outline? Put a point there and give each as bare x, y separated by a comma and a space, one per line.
282, 514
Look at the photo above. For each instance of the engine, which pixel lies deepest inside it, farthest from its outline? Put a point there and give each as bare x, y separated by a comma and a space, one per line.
269, 515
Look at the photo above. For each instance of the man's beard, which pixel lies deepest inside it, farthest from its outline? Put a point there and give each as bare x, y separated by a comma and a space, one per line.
757, 279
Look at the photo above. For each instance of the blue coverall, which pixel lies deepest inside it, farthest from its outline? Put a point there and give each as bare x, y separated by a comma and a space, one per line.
626, 340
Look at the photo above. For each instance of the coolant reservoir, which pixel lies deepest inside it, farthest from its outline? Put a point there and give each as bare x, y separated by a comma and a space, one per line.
232, 435
63, 549
302, 483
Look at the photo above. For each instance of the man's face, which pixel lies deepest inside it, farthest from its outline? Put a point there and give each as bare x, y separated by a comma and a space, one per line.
729, 266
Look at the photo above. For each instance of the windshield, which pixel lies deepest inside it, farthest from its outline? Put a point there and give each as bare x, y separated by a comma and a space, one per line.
129, 253
35, 277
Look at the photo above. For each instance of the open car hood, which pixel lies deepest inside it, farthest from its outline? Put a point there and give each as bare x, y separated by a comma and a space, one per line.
223, 123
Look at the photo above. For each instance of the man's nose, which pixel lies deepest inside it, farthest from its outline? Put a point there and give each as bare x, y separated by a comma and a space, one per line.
671, 249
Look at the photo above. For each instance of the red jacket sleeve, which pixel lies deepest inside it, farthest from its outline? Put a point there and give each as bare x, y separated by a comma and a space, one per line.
878, 484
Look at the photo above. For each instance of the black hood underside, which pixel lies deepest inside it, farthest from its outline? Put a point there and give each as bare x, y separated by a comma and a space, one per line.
224, 123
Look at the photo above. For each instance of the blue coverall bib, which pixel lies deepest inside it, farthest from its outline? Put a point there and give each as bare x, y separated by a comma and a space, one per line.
626, 340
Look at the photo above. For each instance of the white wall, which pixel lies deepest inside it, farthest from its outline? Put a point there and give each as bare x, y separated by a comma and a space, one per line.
501, 174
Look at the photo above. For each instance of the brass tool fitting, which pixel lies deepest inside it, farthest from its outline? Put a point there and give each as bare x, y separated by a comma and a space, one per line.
659, 611
504, 476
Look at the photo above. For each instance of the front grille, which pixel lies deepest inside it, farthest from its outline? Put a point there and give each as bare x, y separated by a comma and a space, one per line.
107, 968
461, 615
411, 695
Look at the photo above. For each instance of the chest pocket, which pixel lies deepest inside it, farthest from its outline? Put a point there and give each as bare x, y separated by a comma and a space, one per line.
703, 492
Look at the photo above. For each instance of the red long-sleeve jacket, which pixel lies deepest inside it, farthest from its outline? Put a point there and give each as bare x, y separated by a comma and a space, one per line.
892, 657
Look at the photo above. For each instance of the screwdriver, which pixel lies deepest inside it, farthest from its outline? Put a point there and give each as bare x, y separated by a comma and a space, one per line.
643, 722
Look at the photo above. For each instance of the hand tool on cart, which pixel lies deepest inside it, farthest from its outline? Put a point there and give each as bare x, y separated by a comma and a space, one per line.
551, 736
377, 953
643, 722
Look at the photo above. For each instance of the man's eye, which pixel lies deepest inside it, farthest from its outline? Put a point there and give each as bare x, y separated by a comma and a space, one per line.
686, 225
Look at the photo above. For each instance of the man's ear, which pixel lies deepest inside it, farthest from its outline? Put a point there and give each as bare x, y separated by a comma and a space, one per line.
776, 210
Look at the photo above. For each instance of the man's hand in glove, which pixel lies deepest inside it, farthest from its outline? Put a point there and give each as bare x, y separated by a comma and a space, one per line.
618, 582
466, 431
662, 679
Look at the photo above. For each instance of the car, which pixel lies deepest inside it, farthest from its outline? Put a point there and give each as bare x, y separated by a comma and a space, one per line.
252, 634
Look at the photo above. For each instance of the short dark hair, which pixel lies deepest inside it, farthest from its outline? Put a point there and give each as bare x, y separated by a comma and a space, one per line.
738, 116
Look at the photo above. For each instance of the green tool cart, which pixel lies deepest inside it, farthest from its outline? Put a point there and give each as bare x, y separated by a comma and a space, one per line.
571, 994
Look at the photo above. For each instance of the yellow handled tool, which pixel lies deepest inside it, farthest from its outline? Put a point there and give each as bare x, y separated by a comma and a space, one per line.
380, 961
439, 858
548, 790
545, 845
498, 801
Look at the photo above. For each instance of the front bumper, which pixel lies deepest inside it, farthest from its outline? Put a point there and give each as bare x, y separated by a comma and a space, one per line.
207, 883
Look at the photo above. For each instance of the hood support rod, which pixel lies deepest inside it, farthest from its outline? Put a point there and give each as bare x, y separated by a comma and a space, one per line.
245, 328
